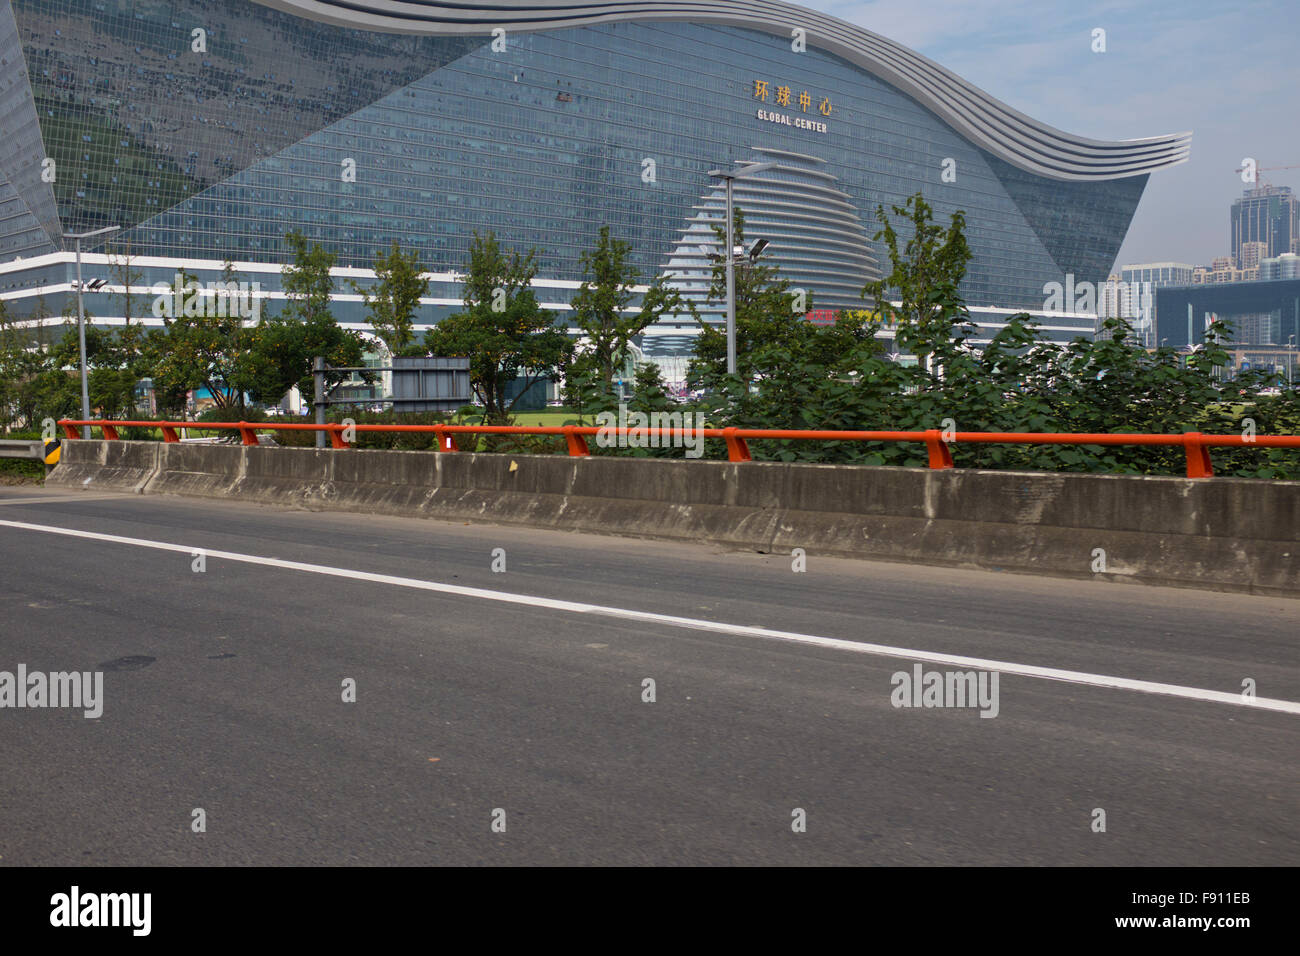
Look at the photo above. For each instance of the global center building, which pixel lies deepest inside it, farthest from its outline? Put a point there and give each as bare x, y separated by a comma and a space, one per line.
208, 129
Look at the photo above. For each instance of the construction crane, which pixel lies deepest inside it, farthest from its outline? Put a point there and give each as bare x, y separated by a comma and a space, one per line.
1259, 182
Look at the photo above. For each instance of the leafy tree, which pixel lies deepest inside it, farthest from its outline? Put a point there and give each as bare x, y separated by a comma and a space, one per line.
584, 388
600, 306
392, 302
651, 394
304, 329
49, 393
202, 349
769, 313
503, 330
307, 282
783, 361
932, 323
649, 398
14, 368
32, 386
111, 370
48, 382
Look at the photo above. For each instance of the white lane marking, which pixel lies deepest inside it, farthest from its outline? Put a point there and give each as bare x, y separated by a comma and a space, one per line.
528, 600
75, 496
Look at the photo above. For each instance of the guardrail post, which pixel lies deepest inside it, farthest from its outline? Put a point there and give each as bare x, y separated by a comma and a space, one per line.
70, 431
318, 396
336, 437
940, 453
110, 431
446, 440
737, 448
169, 434
577, 443
1199, 464
247, 434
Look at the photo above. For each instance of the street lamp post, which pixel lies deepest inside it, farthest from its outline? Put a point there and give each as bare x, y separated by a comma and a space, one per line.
729, 176
81, 324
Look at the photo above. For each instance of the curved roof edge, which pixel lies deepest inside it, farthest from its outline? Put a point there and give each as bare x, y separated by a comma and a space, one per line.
989, 123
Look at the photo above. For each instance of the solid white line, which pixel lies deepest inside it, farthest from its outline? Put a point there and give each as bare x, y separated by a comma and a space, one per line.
529, 600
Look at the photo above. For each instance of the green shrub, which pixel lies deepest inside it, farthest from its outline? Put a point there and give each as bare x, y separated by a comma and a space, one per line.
409, 441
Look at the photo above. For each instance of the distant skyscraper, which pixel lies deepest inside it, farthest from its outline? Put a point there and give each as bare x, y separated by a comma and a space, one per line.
1113, 299
1135, 296
1252, 253
1268, 215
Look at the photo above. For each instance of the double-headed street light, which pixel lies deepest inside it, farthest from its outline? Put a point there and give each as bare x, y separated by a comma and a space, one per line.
739, 256
729, 176
81, 324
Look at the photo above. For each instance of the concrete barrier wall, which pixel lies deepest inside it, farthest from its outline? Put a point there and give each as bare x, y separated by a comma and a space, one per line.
115, 465
1223, 533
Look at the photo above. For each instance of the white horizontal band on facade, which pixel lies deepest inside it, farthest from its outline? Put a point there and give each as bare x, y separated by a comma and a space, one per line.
214, 265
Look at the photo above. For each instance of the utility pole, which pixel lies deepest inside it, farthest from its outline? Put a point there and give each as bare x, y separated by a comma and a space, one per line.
729, 176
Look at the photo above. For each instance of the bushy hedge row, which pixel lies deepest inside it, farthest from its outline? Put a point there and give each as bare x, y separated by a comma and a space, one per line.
409, 441
1020, 383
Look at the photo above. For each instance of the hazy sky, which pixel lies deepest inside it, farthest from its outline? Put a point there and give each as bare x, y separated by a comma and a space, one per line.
1227, 71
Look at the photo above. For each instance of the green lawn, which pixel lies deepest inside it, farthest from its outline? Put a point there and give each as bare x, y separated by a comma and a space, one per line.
547, 419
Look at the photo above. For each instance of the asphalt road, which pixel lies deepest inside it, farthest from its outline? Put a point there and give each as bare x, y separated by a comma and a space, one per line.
223, 691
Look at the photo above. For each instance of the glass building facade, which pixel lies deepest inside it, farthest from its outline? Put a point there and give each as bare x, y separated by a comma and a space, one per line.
207, 129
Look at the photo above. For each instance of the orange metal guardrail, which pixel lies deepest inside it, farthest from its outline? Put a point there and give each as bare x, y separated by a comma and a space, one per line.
1196, 445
